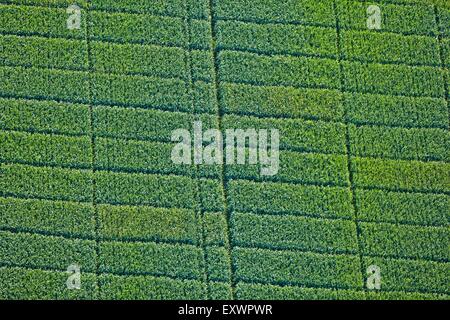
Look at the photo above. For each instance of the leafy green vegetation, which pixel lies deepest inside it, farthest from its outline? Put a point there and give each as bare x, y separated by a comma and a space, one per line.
86, 176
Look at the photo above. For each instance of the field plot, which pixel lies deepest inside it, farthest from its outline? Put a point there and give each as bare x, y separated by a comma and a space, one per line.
86, 175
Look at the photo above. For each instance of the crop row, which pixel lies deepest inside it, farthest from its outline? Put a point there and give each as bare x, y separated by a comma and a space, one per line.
288, 71
53, 217
300, 168
107, 26
397, 111
145, 157
418, 19
327, 105
250, 291
445, 43
391, 48
296, 39
444, 18
291, 232
373, 205
394, 207
20, 283
311, 72
114, 188
174, 260
297, 268
282, 101
416, 144
308, 11
114, 222
39, 251
395, 80
48, 116
276, 38
341, 271
399, 174
298, 134
268, 197
170, 94
45, 149
411, 275
116, 122
405, 241
413, 2
105, 57
314, 136
147, 287
197, 8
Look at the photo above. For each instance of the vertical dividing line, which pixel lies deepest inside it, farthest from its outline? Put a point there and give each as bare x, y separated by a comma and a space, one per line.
94, 153
190, 91
442, 57
220, 113
347, 141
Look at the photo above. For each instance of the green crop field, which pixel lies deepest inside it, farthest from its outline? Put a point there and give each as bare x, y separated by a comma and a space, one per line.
89, 101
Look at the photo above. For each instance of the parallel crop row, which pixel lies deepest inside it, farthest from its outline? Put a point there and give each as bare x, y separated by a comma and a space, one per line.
145, 157
105, 57
144, 28
412, 275
276, 38
256, 291
395, 80
394, 207
37, 251
55, 217
288, 71
290, 267
416, 144
145, 124
39, 20
309, 11
416, 19
45, 149
403, 175
147, 223
114, 122
305, 135
301, 168
114, 188
106, 26
393, 48
170, 94
405, 241
49, 116
43, 52
52, 183
397, 111
183, 261
281, 198
19, 283
282, 101
195, 8
246, 291
290, 232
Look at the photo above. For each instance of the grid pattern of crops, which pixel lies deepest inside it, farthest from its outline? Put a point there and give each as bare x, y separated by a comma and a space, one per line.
85, 170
